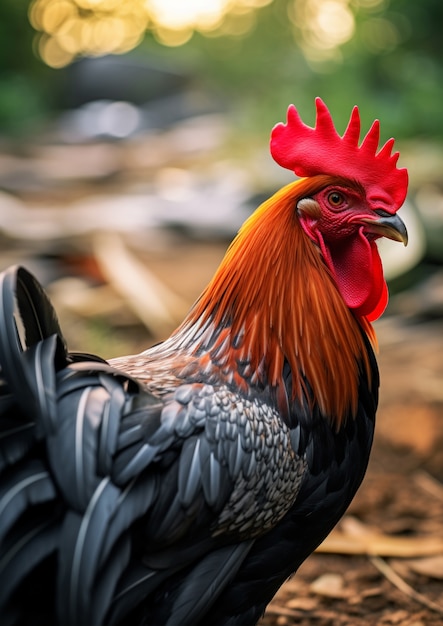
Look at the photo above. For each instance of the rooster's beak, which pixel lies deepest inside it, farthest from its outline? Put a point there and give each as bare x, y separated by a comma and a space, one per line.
388, 225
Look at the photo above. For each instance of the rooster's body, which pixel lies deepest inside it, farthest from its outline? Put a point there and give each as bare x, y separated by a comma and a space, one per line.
185, 484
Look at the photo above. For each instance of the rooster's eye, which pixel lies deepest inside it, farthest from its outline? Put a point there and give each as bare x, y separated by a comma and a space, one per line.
336, 199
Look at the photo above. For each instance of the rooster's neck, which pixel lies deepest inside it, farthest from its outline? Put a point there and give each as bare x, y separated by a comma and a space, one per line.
273, 302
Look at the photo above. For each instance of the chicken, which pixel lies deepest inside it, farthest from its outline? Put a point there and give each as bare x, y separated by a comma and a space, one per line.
184, 485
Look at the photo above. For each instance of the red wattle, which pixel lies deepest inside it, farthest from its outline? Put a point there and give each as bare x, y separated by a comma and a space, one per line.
356, 265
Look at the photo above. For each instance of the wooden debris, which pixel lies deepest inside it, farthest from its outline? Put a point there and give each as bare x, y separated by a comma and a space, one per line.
154, 303
387, 571
429, 483
353, 537
381, 545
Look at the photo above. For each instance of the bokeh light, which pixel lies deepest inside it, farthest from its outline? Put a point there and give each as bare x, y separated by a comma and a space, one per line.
196, 13
323, 26
73, 27
70, 28
379, 35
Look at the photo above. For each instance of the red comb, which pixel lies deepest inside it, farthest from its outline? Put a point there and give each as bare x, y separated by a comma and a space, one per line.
320, 150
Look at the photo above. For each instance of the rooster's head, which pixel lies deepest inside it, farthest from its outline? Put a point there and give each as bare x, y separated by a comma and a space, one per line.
360, 190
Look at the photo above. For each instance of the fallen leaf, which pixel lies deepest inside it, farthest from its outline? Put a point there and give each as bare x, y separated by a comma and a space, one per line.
365, 593
302, 604
396, 617
330, 586
431, 566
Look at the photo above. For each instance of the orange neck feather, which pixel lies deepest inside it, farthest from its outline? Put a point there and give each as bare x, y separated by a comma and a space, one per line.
276, 300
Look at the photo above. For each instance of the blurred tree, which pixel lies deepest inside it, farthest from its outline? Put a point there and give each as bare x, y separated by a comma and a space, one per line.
23, 93
384, 55
397, 60
391, 63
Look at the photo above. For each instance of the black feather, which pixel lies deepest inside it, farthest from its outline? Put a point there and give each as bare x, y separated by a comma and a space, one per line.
25, 486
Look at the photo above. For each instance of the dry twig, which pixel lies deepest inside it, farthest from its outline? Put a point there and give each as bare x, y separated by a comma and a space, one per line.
275, 609
429, 483
374, 543
394, 578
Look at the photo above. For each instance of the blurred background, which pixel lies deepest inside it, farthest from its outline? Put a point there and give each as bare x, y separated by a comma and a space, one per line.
134, 142
136, 133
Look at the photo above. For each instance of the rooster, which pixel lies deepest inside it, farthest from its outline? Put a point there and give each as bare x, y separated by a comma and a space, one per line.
184, 485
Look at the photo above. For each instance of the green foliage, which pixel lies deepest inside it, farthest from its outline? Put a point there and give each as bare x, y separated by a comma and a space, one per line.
21, 104
260, 74
22, 77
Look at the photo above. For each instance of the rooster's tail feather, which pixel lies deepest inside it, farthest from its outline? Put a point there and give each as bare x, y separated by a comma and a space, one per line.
63, 539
